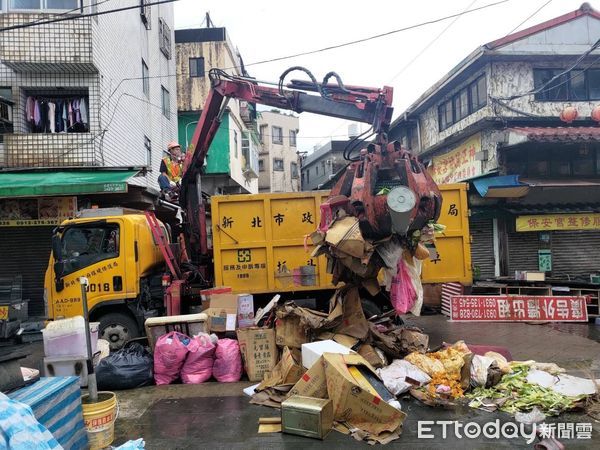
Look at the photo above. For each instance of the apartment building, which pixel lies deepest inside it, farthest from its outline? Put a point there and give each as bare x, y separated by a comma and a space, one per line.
279, 160
517, 120
87, 106
232, 161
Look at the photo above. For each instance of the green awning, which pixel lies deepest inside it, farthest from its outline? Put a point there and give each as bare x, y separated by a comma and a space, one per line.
33, 184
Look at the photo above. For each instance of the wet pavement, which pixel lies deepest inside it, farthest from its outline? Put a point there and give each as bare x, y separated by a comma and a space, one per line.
187, 419
218, 415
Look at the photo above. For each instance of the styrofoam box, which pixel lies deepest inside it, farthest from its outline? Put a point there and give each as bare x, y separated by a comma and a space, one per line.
313, 351
66, 366
66, 337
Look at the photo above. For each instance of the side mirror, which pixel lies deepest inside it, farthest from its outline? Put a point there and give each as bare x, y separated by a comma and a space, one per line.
59, 268
59, 265
56, 247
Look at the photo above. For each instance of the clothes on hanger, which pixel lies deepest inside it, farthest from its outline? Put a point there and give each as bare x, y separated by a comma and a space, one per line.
57, 114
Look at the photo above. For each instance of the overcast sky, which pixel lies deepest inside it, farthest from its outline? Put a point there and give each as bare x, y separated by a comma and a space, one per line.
266, 29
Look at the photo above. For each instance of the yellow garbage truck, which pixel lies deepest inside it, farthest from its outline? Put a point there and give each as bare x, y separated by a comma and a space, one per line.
114, 248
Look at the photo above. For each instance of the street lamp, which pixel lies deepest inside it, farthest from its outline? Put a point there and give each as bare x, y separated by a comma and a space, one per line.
186, 134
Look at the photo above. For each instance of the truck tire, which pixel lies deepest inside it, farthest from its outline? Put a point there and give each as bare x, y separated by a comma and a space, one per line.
370, 308
117, 328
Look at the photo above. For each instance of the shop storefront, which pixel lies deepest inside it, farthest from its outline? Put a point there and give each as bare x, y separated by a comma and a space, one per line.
32, 204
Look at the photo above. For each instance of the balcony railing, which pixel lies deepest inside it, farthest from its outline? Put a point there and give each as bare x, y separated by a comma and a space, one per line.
50, 150
64, 47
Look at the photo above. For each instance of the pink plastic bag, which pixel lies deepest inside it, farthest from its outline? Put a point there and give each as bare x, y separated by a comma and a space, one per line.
169, 355
198, 365
402, 292
228, 361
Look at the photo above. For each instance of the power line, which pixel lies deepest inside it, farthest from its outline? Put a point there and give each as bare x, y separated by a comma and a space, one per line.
370, 38
554, 78
529, 17
79, 16
424, 49
79, 8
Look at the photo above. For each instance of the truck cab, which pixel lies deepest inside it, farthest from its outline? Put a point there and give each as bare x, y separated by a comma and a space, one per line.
115, 250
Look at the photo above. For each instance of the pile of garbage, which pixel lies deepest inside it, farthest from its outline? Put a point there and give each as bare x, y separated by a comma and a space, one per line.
362, 372
354, 260
369, 368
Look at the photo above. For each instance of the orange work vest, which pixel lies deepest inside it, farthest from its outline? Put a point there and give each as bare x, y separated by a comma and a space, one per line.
173, 170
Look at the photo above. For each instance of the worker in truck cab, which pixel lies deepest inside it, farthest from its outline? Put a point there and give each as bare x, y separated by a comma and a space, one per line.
171, 168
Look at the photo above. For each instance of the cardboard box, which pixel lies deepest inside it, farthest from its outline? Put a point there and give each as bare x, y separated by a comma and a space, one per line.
312, 383
259, 351
222, 312
245, 310
352, 403
289, 331
307, 416
525, 275
313, 351
206, 294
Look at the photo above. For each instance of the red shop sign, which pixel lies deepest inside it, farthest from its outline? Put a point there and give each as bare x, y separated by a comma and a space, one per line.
517, 308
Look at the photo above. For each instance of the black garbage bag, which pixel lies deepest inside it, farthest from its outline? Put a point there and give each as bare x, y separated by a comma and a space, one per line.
128, 368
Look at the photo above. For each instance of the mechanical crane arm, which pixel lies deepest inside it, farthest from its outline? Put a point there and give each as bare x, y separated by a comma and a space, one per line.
362, 104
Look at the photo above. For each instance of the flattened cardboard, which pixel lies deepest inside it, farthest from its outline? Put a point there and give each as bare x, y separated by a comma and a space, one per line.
293, 323
345, 235
368, 352
354, 323
343, 339
289, 332
287, 371
259, 351
413, 340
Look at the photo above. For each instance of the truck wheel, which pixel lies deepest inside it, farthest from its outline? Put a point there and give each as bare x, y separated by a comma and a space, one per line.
370, 308
117, 328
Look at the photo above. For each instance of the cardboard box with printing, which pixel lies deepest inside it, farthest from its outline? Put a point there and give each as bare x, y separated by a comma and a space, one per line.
259, 351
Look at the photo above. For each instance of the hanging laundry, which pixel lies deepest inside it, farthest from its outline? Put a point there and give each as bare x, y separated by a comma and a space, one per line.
57, 115
83, 111
52, 117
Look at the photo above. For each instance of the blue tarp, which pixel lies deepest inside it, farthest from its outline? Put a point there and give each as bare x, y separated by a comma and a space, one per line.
498, 186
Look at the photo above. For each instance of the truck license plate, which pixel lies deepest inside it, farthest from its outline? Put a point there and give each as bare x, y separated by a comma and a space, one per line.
4, 312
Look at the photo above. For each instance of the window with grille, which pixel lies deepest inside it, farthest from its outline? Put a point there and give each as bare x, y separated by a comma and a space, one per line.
278, 164
164, 36
6, 104
294, 169
293, 134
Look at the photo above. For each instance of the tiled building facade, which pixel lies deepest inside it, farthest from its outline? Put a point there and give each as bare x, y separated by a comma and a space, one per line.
117, 72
